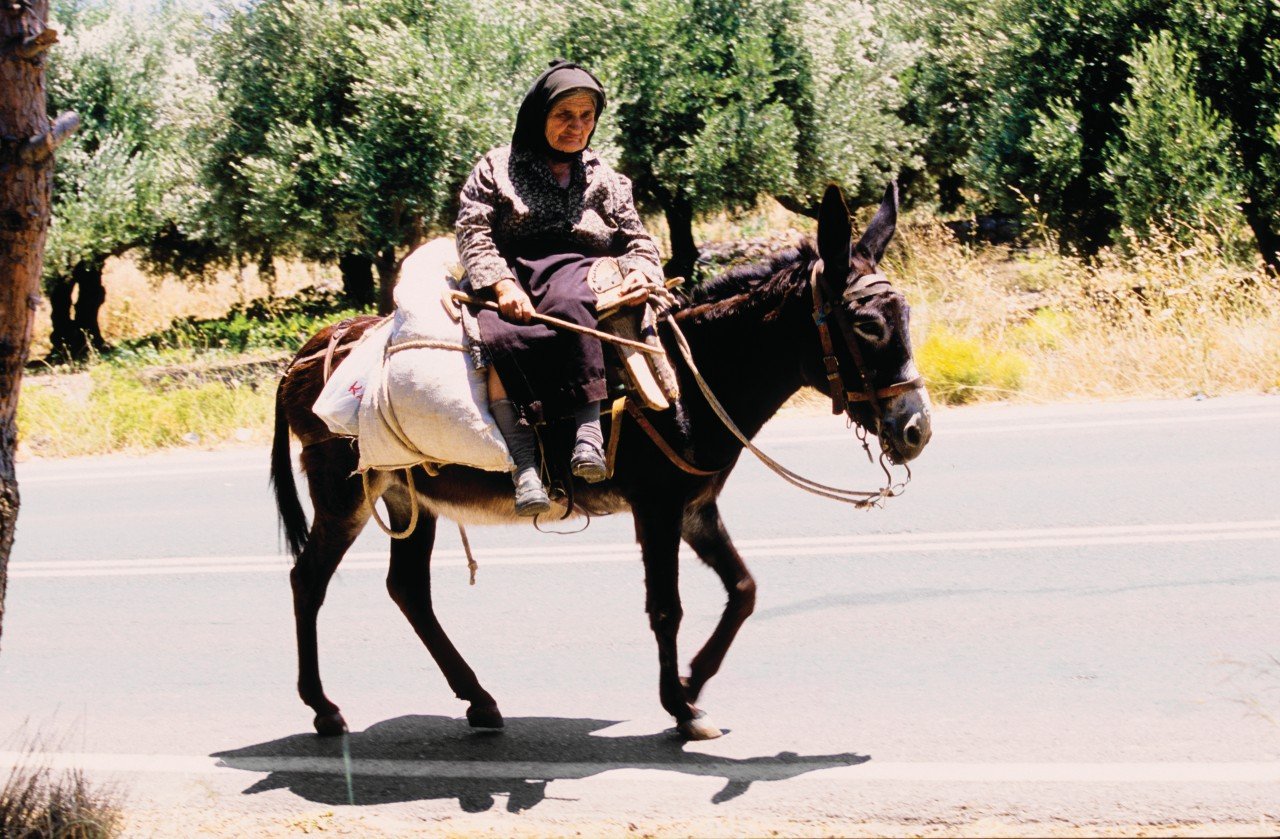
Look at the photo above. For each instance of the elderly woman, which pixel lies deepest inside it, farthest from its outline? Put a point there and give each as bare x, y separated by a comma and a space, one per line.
533, 217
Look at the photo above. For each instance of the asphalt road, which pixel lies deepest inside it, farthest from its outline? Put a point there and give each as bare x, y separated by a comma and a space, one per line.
1068, 622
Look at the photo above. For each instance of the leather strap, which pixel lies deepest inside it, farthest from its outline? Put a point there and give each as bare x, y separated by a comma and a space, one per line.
615, 434
638, 415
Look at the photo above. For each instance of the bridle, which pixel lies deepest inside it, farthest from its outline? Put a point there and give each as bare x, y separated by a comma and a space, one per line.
838, 385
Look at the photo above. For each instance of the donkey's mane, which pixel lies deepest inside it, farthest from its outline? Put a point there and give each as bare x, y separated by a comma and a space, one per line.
747, 278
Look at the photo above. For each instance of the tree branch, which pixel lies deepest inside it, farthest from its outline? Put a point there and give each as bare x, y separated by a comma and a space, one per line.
33, 45
40, 147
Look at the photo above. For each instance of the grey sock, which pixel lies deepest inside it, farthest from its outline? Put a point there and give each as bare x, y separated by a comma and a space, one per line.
587, 418
521, 441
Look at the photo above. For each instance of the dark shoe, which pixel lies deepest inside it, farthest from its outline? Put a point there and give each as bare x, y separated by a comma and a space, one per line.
588, 463
531, 496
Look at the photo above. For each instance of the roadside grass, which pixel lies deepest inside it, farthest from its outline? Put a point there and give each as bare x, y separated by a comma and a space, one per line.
38, 803
1163, 320
1026, 323
199, 382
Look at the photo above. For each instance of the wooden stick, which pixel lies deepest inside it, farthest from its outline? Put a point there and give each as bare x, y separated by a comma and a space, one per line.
463, 297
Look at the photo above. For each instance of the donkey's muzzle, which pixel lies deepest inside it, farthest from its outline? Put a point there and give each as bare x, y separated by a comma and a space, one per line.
906, 425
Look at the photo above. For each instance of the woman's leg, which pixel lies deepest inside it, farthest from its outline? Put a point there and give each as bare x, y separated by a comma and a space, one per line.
587, 461
531, 496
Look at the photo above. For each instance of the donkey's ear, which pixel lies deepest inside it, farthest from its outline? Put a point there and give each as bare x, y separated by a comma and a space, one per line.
880, 230
834, 234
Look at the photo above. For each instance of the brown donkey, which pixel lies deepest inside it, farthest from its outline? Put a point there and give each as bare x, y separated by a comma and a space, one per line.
758, 335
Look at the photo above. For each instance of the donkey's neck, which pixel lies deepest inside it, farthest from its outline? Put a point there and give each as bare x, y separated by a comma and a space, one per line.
749, 350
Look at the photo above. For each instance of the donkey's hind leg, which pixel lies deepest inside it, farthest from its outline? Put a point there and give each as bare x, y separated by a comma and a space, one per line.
409, 584
340, 515
704, 531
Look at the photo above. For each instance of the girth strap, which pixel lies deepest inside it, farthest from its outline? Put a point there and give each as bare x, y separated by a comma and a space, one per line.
637, 413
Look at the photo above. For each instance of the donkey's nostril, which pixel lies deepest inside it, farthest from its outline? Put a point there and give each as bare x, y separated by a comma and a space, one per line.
911, 434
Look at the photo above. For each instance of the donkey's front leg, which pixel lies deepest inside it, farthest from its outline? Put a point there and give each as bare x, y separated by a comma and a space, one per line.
658, 532
704, 531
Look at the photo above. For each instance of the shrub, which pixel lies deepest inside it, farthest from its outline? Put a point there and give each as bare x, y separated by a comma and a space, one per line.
37, 803
960, 369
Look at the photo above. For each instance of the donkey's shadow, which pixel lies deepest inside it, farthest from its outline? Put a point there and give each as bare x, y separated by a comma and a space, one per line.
415, 758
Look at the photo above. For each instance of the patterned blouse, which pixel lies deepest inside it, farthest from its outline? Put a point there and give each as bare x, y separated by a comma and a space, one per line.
512, 206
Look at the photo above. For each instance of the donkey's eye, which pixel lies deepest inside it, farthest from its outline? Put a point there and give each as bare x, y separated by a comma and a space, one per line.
871, 330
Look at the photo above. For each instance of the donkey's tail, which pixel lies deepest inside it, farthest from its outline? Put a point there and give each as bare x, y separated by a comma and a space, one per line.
293, 520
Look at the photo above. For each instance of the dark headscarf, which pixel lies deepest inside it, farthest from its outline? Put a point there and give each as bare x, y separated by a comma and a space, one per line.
560, 78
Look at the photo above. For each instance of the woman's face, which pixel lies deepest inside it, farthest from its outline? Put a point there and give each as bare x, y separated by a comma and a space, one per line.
570, 122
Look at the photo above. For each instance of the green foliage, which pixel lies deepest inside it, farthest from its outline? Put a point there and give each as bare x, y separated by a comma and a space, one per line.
1062, 63
1171, 162
122, 177
262, 324
948, 85
1237, 48
123, 412
351, 127
848, 98
693, 92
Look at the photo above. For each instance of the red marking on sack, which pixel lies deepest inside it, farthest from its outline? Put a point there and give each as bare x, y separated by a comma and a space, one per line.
356, 390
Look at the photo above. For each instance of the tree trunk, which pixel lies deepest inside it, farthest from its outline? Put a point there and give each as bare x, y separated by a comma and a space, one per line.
1266, 233
75, 326
357, 279
684, 251
63, 337
388, 271
88, 277
27, 141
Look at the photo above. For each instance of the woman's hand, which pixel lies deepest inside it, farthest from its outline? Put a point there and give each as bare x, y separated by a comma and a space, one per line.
635, 288
513, 302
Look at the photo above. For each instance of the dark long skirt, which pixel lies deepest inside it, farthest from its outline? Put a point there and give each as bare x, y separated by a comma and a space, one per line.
549, 372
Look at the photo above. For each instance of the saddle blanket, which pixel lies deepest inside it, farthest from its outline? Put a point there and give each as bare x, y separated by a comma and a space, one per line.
423, 401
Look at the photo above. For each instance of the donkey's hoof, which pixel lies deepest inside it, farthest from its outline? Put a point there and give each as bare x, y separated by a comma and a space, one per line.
488, 717
330, 725
698, 728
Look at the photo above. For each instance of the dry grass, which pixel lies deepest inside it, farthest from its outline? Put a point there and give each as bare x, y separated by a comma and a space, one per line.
1168, 320
138, 305
38, 803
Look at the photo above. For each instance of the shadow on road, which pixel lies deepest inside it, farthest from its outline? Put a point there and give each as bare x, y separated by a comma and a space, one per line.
416, 758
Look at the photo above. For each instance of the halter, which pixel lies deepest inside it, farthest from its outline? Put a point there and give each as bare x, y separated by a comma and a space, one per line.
864, 288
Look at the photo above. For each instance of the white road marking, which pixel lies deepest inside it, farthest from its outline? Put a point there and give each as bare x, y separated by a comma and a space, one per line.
817, 768
752, 549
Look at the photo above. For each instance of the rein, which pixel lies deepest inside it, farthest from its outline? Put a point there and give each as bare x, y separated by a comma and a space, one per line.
862, 499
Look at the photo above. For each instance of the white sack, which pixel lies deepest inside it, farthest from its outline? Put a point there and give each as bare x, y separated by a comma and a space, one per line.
431, 404
339, 401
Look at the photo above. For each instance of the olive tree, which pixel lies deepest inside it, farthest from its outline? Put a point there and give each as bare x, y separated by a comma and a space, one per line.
697, 113
1170, 164
127, 176
350, 128
844, 83
1236, 44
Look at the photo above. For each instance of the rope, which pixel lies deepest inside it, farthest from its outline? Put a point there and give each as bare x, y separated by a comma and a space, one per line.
859, 498
413, 506
472, 565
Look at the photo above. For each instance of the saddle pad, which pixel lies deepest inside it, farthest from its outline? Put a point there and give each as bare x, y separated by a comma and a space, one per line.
429, 403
